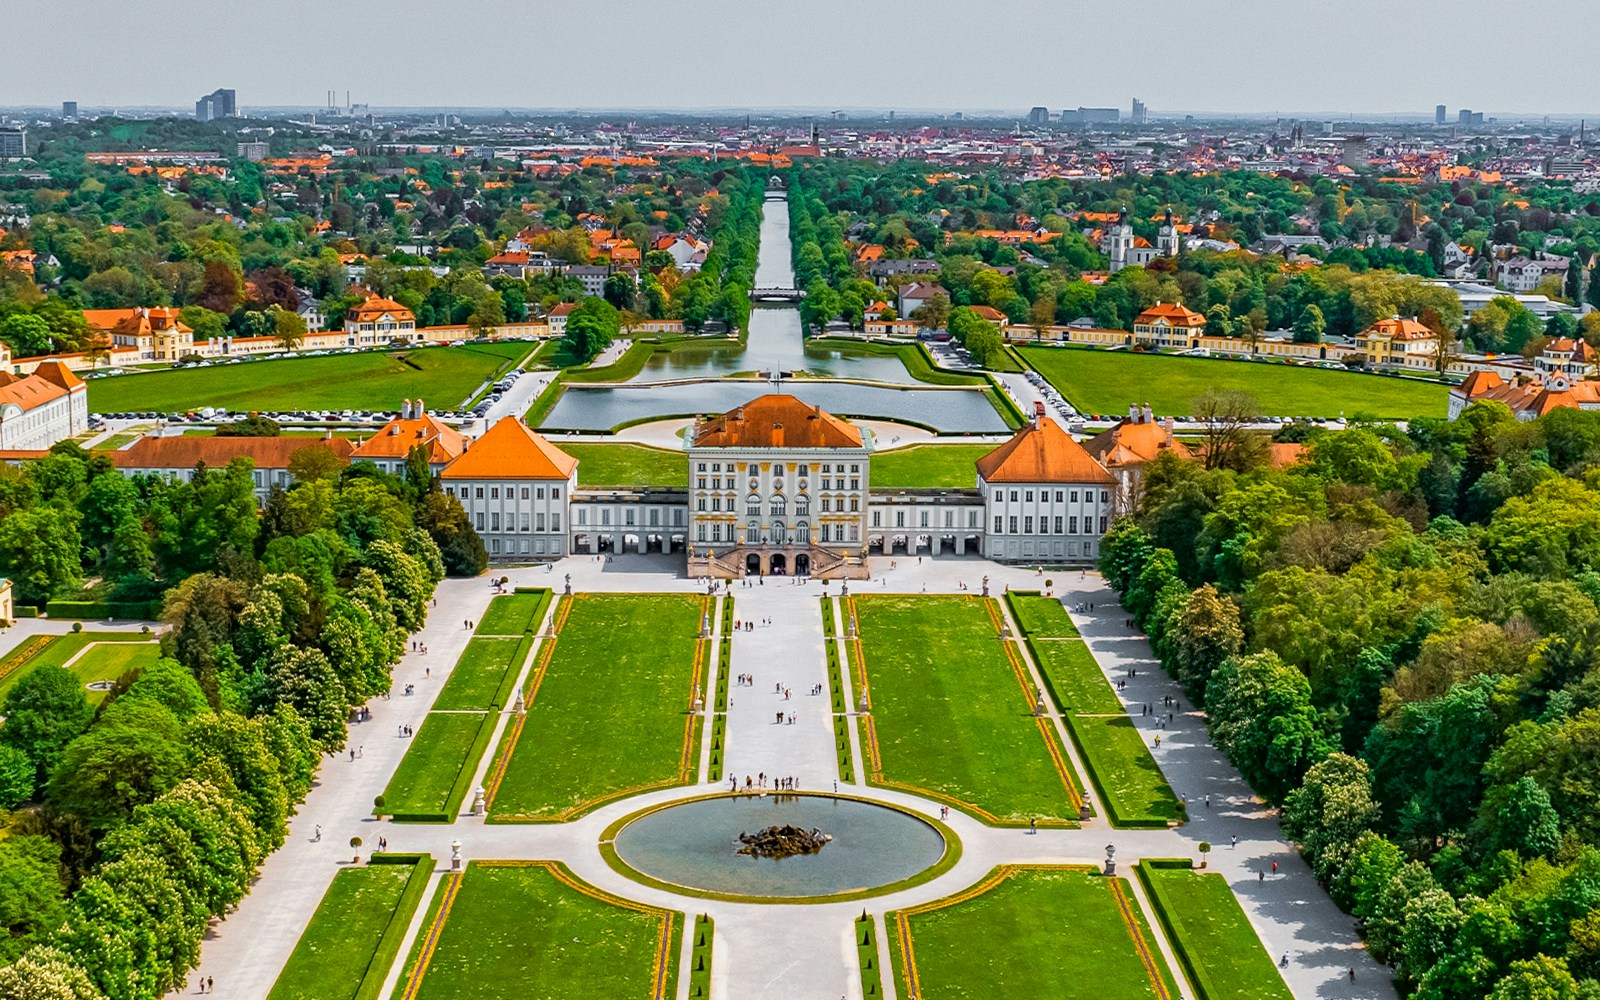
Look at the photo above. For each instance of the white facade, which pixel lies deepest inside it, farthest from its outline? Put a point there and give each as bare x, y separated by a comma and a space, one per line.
1045, 521
517, 518
778, 496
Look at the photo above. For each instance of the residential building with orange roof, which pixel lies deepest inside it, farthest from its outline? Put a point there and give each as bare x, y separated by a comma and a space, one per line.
155, 333
1044, 497
1399, 343
1528, 398
178, 457
1168, 325
414, 427
1131, 444
40, 409
378, 321
1574, 358
516, 488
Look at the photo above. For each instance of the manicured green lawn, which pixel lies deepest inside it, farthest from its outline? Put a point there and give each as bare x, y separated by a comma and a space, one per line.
1040, 933
1070, 671
476, 678
611, 711
371, 380
628, 465
1107, 382
1212, 935
519, 933
112, 655
928, 466
1041, 617
338, 946
422, 785
950, 715
512, 614
1132, 788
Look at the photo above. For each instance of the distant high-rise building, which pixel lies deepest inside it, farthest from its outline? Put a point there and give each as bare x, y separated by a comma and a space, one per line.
13, 141
254, 150
1091, 116
1468, 118
1438, 114
1355, 154
1039, 116
217, 104
1140, 112
69, 110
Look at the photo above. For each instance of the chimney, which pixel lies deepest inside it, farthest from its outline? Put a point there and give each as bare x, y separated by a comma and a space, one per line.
1168, 424
405, 409
1149, 415
421, 410
1133, 413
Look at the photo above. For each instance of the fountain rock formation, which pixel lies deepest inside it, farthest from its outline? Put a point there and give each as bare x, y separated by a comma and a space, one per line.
782, 842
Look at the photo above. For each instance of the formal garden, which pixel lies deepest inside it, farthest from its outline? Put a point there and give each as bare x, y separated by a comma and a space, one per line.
98, 658
607, 707
514, 930
951, 711
1209, 932
1025, 931
1121, 769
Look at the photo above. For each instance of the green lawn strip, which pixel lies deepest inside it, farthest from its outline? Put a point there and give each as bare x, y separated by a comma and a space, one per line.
370, 380
346, 950
1210, 933
631, 362
609, 715
719, 707
122, 652
426, 787
700, 957
1106, 382
513, 614
867, 957
1131, 787
605, 464
1038, 616
479, 674
518, 932
928, 466
1074, 678
841, 720
950, 716
919, 364
1042, 932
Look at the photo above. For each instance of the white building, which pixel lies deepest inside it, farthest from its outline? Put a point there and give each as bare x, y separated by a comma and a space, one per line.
1523, 274
515, 487
36, 411
177, 458
777, 486
1045, 498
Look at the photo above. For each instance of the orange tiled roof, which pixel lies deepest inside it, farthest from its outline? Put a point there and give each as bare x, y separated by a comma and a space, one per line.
151, 452
776, 421
1042, 453
401, 434
511, 450
1400, 329
1174, 313
375, 307
1133, 442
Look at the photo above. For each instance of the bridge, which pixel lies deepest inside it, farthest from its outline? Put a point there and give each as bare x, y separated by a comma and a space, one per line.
776, 294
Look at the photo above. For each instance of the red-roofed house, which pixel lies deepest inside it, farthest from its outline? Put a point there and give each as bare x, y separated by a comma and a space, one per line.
36, 411
178, 457
1045, 497
515, 486
1399, 343
1168, 325
377, 321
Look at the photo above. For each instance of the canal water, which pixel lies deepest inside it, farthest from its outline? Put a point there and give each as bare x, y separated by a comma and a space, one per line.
775, 343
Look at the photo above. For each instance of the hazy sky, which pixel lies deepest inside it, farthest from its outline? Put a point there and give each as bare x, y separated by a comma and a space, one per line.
1178, 55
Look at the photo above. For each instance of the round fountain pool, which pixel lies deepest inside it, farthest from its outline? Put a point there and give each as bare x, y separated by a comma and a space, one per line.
694, 845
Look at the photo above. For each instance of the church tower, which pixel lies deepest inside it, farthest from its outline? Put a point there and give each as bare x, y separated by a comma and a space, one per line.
1167, 239
1121, 248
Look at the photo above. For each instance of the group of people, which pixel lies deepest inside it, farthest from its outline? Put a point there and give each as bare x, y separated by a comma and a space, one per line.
401, 732
748, 625
744, 680
419, 647
759, 783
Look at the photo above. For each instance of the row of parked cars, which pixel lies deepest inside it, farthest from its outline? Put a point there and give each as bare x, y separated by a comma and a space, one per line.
1051, 396
500, 389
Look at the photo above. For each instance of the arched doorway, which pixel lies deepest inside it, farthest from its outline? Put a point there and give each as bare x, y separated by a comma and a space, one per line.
802, 565
752, 565
779, 564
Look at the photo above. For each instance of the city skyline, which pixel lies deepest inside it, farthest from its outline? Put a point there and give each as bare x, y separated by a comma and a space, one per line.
713, 58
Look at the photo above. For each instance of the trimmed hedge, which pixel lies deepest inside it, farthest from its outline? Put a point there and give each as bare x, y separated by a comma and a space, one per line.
388, 949
25, 611
140, 610
1269, 984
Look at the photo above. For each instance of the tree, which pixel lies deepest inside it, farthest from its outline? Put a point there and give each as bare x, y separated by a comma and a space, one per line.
1331, 809
934, 313
1539, 978
39, 552
45, 973
131, 756
1208, 633
289, 327
1310, 325
315, 462
1262, 717
591, 328
1229, 443
26, 334
45, 710
461, 548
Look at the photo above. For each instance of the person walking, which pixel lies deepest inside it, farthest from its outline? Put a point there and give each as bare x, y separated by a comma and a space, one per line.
317, 837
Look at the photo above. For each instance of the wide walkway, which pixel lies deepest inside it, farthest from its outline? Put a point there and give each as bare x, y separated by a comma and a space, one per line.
794, 952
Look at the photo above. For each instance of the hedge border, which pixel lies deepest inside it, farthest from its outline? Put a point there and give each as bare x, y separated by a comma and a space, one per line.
383, 957
1191, 969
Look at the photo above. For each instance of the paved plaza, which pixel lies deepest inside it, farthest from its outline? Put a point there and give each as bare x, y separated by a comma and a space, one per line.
797, 952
